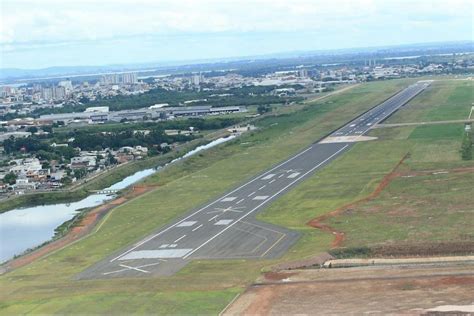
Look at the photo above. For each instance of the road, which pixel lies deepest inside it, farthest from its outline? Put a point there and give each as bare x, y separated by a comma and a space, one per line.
226, 227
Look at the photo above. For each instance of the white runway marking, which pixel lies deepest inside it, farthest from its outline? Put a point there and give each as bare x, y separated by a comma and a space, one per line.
224, 222
173, 246
281, 175
272, 181
164, 246
132, 268
293, 175
186, 224
251, 194
260, 197
240, 201
156, 254
268, 176
262, 187
180, 238
261, 204
196, 228
228, 199
203, 208
212, 218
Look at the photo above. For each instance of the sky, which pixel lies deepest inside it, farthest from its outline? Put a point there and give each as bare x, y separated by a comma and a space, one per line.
45, 33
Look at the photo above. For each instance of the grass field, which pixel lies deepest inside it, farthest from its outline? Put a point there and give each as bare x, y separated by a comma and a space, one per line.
46, 286
443, 100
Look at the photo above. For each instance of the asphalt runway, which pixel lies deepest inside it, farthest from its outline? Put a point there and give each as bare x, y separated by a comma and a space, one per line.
226, 227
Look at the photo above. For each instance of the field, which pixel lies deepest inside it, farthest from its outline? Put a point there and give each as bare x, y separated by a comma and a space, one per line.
376, 291
47, 286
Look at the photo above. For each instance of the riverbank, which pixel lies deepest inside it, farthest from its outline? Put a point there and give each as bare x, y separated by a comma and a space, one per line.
104, 180
21, 234
82, 225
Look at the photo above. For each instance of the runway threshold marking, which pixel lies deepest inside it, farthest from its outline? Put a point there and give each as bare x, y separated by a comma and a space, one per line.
203, 208
264, 202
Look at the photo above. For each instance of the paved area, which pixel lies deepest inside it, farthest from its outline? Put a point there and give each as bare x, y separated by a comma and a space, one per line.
226, 228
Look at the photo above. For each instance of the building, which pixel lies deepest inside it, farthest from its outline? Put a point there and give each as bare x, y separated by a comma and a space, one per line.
196, 79
129, 78
303, 73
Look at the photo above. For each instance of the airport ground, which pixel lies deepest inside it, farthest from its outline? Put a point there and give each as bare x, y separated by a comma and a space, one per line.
407, 210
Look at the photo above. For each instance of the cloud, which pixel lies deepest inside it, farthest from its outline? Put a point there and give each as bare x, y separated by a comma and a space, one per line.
78, 28
52, 20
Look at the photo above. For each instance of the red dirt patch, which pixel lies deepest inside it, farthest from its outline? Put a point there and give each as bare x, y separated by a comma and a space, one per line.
338, 235
276, 276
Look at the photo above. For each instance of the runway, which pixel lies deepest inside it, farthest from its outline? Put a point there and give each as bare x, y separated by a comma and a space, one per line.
226, 227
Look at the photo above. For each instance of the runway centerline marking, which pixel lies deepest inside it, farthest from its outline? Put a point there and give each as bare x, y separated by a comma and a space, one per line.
240, 201
196, 228
212, 218
251, 194
227, 209
272, 181
212, 203
264, 202
262, 187
180, 238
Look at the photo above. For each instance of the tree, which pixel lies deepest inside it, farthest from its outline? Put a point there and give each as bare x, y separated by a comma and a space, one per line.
32, 129
466, 147
66, 180
80, 173
10, 178
263, 109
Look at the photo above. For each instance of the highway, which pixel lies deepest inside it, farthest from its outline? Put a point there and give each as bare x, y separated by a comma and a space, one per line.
226, 227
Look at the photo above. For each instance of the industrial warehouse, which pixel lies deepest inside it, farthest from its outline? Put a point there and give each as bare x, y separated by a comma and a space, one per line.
102, 114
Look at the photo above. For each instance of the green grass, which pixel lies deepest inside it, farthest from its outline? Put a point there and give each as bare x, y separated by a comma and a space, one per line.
443, 100
444, 131
47, 285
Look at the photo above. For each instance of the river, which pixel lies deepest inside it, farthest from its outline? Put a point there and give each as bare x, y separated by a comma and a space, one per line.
26, 228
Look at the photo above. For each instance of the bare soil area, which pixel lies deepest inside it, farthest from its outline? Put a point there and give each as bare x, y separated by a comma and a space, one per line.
379, 291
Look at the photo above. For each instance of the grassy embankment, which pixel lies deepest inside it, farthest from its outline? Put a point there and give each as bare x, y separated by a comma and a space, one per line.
46, 286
